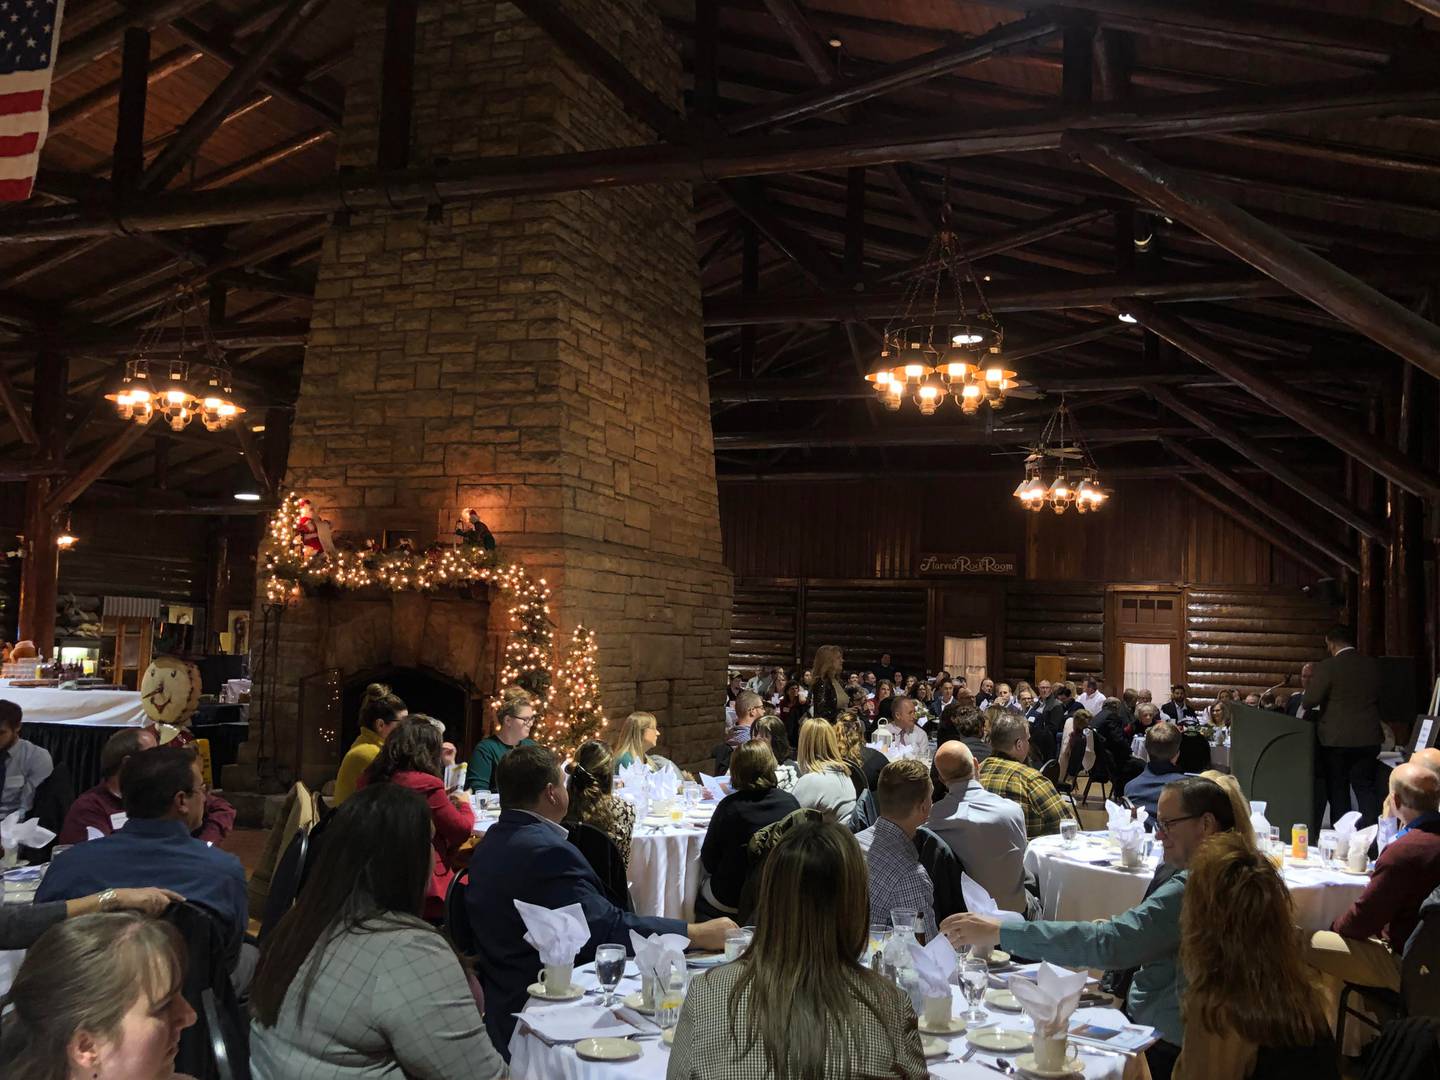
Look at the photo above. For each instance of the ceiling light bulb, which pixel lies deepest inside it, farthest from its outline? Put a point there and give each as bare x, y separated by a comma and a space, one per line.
247, 496
914, 371
967, 339
971, 391
176, 397
1126, 317
66, 540
994, 376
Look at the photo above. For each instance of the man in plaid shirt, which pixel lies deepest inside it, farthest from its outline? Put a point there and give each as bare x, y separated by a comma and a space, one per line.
897, 880
1005, 773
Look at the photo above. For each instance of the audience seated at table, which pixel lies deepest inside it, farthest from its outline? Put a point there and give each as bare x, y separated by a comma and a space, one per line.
1162, 744
1147, 937
897, 880
1364, 945
164, 796
411, 759
98, 807
98, 998
749, 707
824, 782
986, 831
514, 719
1177, 710
1077, 746
1005, 773
23, 765
884, 703
1252, 1006
352, 982
864, 762
904, 728
798, 1002
591, 787
1146, 717
638, 735
1004, 699
969, 726
754, 802
771, 731
380, 711
526, 856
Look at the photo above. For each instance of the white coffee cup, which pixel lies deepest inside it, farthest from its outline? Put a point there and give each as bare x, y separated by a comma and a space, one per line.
937, 1011
1129, 857
556, 978
1358, 859
982, 952
1050, 1054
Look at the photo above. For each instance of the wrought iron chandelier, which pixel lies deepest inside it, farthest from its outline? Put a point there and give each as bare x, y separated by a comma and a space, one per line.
194, 384
1059, 471
927, 357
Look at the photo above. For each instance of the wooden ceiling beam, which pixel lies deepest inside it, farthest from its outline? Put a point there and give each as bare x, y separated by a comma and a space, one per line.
87, 105
918, 69
1320, 281
718, 159
807, 43
1248, 446
78, 53
974, 434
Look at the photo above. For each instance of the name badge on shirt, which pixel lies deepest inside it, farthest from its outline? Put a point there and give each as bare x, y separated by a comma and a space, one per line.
117, 821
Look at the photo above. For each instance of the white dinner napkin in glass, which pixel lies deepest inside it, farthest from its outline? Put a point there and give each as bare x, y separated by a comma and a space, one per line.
558, 934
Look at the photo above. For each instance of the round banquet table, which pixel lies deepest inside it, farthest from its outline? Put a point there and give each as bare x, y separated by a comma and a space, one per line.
532, 1058
1076, 885
665, 871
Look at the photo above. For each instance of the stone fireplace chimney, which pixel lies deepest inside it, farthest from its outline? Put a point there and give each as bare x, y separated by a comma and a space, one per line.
539, 358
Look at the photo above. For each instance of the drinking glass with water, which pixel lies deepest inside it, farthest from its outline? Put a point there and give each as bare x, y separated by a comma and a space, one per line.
671, 999
609, 970
1069, 830
974, 981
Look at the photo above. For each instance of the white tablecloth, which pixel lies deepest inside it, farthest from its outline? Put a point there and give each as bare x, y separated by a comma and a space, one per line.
1071, 889
665, 871
531, 1058
95, 708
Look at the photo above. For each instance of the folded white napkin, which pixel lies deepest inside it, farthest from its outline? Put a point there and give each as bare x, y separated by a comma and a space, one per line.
557, 935
1050, 999
1360, 841
978, 901
935, 962
571, 1023
15, 833
1345, 829
657, 955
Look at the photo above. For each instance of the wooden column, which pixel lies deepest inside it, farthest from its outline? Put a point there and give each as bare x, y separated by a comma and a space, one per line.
1404, 567
1370, 582
129, 162
40, 568
397, 90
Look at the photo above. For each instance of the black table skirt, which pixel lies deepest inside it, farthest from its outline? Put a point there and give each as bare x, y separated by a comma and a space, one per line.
79, 745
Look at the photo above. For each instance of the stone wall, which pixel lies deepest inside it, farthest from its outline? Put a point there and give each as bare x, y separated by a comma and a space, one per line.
538, 357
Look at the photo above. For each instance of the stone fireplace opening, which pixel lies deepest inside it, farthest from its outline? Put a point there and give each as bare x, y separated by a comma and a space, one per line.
423, 689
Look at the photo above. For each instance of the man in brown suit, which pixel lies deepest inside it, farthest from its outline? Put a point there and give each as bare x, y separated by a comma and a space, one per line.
1346, 690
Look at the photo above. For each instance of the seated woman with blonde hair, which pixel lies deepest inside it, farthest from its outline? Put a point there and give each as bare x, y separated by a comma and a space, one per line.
1252, 1007
638, 734
1238, 803
824, 782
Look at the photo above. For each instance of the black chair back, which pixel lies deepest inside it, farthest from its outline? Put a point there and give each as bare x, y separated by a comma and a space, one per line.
945, 870
1194, 753
1420, 962
865, 813
209, 957
231, 1050
720, 753
604, 858
285, 884
457, 918
1408, 1049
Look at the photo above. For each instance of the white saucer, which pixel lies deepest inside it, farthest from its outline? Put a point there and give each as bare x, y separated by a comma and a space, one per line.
998, 1040
1026, 1064
608, 1049
954, 1026
539, 990
705, 960
930, 1046
636, 1001
1003, 1000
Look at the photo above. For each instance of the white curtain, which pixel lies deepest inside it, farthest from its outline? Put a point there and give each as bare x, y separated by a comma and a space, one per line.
1147, 667
966, 656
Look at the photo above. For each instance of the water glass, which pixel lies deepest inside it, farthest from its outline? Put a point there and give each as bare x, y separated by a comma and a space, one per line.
693, 794
1069, 830
903, 919
974, 981
1328, 842
671, 999
879, 938
609, 970
736, 942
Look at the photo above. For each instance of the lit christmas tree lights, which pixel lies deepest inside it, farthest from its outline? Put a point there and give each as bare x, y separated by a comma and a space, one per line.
573, 714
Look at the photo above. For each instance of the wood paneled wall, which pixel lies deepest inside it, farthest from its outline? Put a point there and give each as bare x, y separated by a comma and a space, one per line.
1062, 618
1251, 639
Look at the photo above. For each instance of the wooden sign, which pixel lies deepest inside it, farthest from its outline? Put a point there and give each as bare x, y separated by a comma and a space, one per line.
947, 564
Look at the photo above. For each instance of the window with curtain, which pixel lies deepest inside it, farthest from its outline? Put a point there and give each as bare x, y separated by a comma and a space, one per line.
1147, 667
967, 656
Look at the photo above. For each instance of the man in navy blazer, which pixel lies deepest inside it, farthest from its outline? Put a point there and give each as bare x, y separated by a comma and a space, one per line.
526, 856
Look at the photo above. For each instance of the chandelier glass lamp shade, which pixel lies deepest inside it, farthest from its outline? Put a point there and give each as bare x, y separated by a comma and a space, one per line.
180, 389
1059, 471
938, 348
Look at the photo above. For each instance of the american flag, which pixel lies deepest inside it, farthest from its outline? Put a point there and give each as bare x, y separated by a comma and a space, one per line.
29, 32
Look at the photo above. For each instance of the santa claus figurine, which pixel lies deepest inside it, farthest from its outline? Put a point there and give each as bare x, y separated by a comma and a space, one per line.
307, 529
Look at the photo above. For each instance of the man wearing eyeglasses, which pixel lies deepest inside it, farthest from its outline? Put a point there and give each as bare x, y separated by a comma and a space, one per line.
1147, 937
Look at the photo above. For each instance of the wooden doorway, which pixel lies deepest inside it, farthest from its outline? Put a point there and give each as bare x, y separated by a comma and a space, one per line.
966, 627
1144, 640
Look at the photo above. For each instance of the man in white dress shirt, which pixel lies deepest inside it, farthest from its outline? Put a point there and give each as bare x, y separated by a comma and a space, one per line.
1092, 698
985, 830
902, 727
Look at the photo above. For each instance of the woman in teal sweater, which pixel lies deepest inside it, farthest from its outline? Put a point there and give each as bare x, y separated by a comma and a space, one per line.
517, 714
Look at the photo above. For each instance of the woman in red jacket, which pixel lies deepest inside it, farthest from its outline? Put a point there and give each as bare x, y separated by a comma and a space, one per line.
411, 757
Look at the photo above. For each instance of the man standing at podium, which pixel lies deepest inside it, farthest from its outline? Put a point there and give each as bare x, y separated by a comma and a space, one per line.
1346, 690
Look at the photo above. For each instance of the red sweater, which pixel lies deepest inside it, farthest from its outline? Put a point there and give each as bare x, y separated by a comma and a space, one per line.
95, 806
1406, 872
452, 828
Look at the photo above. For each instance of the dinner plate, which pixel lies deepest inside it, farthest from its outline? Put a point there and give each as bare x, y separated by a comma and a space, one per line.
636, 1001
1003, 1000
952, 1027
539, 990
705, 960
1026, 1064
930, 1046
1354, 873
998, 1040
609, 1050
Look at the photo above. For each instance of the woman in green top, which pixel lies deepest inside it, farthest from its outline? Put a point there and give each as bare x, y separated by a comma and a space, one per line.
517, 714
380, 711
638, 736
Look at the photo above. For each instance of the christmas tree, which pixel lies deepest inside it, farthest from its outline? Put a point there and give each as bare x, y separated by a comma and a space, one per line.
574, 714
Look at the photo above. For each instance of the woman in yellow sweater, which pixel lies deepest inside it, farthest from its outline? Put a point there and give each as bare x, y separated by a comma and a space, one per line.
380, 711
